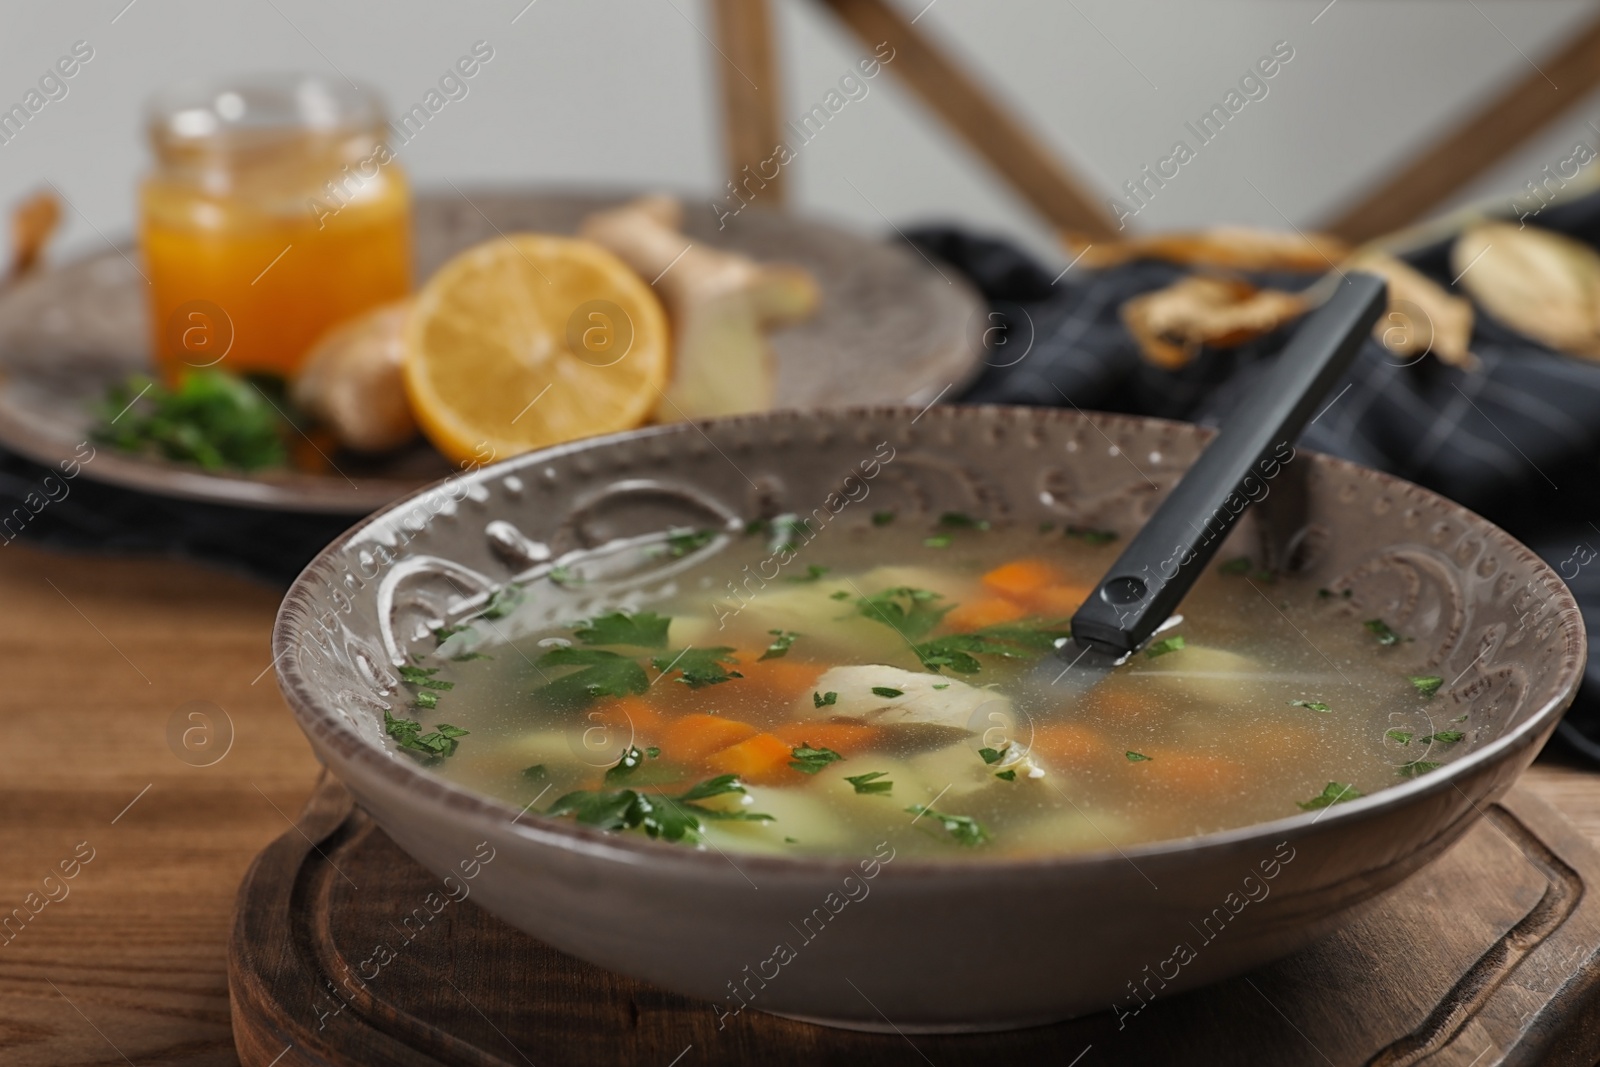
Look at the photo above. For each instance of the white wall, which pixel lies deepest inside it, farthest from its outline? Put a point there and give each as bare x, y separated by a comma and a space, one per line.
622, 91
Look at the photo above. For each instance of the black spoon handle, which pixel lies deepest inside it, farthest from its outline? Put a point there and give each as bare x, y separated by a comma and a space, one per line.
1164, 559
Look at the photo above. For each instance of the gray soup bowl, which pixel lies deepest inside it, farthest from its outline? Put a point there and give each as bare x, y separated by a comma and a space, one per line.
871, 941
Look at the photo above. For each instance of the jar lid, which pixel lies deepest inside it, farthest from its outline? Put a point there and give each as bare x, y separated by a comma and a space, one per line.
260, 107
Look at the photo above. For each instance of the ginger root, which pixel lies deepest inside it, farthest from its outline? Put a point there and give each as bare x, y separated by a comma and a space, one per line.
721, 306
351, 381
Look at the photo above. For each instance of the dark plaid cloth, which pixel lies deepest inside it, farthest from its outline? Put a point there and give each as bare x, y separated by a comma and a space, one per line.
1515, 439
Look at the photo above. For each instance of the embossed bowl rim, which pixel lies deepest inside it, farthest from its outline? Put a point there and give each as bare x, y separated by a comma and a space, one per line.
325, 724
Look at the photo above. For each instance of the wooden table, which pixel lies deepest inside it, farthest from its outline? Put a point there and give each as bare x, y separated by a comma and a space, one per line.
129, 964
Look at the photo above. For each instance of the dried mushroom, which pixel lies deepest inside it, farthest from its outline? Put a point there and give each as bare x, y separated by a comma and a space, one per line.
1172, 324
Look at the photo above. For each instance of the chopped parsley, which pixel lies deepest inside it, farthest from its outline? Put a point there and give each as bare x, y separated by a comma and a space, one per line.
957, 520
882, 518
963, 829
782, 640
869, 784
681, 541
1310, 705
1444, 737
993, 755
698, 667
422, 677
840, 594
937, 541
603, 674
1165, 645
1135, 757
1235, 566
813, 572
824, 700
561, 574
942, 685
1013, 640
445, 633
468, 657
631, 760
1332, 793
1426, 684
436, 744
910, 611
211, 418
426, 699
537, 773
1416, 767
669, 818
644, 629
1380, 629
502, 602
1329, 594
1091, 536
1006, 776
887, 692
1401, 736
808, 760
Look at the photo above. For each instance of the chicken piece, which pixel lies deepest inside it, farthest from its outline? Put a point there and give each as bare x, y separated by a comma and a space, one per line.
953, 704
721, 305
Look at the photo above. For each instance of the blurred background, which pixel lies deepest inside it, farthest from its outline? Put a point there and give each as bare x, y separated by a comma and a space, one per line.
626, 92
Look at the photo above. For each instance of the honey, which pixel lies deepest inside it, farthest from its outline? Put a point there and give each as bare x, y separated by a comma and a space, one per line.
275, 212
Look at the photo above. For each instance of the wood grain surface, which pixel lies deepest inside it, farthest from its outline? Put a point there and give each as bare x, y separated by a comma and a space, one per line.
130, 966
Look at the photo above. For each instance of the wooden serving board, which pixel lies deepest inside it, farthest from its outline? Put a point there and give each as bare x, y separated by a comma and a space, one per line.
1490, 956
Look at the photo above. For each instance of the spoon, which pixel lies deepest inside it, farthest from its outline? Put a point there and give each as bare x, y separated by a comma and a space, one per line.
1143, 588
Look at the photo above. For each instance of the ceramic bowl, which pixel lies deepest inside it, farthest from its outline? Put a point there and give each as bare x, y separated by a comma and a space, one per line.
929, 945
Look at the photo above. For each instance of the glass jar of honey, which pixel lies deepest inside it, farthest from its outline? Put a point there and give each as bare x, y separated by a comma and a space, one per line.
275, 211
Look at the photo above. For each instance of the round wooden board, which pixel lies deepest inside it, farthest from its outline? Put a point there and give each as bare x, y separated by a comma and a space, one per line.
893, 328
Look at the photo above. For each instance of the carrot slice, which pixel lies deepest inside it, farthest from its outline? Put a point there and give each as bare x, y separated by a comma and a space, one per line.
1069, 745
780, 681
1193, 773
990, 611
1020, 578
1058, 601
761, 759
692, 737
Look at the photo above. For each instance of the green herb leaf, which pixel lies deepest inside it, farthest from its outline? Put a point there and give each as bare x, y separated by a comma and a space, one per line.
681, 541
644, 629
1401, 736
1162, 647
603, 674
1310, 705
1426, 684
1380, 629
1236, 566
1006, 776
1332, 793
786, 533
869, 784
808, 760
911, 612
1444, 737
698, 667
956, 520
1416, 767
1135, 757
213, 419
399, 728
814, 571
780, 646
840, 594
631, 760
427, 700
669, 818
445, 633
721, 785
937, 541
423, 678
942, 685
824, 700
1013, 640
561, 574
502, 602
993, 755
887, 692
964, 830
537, 773
882, 518
1091, 536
